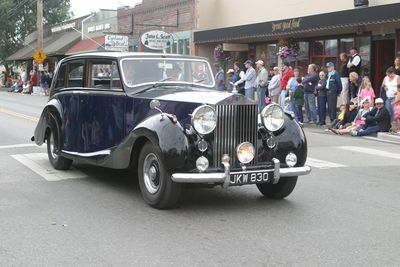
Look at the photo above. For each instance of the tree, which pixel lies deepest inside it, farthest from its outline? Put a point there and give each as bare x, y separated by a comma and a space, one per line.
18, 20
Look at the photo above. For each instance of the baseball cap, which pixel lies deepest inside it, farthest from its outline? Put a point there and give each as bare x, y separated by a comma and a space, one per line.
379, 100
276, 68
230, 71
330, 64
365, 100
260, 62
248, 62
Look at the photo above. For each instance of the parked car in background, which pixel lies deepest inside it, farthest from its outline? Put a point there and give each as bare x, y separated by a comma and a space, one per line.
161, 116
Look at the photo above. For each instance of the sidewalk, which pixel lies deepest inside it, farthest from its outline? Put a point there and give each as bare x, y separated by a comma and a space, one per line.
383, 137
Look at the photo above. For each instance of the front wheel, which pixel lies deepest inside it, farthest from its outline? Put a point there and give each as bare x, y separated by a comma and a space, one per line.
53, 151
280, 190
156, 185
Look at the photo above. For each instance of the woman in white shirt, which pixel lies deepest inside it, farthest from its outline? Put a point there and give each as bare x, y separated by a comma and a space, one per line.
390, 83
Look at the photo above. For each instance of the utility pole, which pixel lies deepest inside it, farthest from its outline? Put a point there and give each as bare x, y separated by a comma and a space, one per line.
39, 25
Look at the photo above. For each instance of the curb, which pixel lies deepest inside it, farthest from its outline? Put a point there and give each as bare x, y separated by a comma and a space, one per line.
389, 137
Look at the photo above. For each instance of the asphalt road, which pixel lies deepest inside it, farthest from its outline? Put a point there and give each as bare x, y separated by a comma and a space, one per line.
345, 213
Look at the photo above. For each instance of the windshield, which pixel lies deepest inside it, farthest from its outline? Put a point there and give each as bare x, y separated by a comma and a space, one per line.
142, 71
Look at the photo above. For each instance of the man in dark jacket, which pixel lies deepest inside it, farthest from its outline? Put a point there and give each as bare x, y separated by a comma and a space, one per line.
377, 120
333, 87
309, 82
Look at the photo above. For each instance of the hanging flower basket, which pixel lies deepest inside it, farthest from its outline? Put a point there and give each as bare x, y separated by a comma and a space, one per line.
288, 48
221, 56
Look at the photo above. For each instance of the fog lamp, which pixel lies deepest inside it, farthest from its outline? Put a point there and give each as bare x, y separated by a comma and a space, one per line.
202, 163
245, 152
291, 159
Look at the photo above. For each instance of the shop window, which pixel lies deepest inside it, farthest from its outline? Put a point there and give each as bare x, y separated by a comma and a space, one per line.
267, 53
364, 48
318, 48
303, 57
325, 51
331, 47
346, 44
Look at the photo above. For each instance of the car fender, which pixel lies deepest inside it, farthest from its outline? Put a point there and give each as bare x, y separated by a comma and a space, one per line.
168, 136
51, 117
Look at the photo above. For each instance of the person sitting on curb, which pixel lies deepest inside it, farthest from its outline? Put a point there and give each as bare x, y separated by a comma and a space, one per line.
358, 122
377, 120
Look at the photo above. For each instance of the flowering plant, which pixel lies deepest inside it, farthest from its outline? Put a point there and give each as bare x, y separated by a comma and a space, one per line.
288, 48
221, 56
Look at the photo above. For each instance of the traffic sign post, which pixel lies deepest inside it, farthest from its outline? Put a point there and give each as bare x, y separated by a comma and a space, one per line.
39, 56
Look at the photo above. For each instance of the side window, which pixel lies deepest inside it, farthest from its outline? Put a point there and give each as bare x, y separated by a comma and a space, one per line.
75, 74
104, 74
61, 77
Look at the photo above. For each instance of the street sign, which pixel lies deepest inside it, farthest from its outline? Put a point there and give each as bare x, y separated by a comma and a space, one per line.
39, 56
157, 40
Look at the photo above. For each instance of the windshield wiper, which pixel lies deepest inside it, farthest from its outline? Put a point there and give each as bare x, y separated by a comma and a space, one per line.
154, 85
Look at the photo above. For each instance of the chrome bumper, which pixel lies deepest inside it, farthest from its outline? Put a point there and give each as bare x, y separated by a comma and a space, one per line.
224, 177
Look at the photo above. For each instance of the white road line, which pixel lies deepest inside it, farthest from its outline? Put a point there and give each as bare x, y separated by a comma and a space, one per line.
322, 164
370, 151
39, 163
18, 145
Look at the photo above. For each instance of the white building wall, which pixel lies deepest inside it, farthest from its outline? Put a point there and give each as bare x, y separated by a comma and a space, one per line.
226, 13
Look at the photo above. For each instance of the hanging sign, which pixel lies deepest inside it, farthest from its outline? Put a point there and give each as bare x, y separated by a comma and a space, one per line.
156, 40
116, 43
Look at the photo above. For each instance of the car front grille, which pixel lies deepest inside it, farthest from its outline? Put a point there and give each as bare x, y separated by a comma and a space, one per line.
235, 124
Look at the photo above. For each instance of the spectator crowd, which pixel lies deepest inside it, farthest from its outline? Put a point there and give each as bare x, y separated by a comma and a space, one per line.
318, 90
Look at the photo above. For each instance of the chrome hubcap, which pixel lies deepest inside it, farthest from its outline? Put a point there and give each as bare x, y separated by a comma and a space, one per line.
52, 147
151, 173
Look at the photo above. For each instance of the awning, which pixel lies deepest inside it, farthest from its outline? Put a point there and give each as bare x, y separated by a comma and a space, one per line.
341, 19
53, 45
87, 45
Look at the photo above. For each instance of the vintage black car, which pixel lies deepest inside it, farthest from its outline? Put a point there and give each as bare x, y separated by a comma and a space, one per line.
161, 116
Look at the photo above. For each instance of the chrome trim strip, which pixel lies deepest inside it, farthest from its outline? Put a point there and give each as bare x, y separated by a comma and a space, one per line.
224, 178
92, 154
295, 171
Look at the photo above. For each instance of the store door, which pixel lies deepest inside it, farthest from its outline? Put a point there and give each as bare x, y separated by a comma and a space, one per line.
383, 52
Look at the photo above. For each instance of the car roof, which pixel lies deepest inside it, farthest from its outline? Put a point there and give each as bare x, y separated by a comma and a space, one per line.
120, 55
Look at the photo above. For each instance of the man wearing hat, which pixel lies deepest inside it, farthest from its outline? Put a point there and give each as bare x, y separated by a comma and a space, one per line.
249, 78
377, 120
261, 84
274, 86
333, 87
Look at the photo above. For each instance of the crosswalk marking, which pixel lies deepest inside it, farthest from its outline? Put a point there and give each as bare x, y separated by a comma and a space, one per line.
17, 146
371, 151
322, 164
39, 163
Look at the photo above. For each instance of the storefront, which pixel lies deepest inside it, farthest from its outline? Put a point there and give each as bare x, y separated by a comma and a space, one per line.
99, 34
57, 40
312, 39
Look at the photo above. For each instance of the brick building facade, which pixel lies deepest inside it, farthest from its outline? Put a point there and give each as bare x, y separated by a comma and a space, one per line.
174, 16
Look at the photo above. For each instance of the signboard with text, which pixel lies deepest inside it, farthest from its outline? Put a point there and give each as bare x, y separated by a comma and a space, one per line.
156, 40
116, 43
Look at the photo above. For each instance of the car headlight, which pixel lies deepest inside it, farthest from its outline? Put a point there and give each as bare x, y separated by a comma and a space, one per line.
204, 119
245, 152
272, 117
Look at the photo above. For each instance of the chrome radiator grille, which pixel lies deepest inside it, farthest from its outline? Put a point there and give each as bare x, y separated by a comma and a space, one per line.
235, 124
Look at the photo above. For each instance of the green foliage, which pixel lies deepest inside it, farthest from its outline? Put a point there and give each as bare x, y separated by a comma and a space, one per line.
18, 19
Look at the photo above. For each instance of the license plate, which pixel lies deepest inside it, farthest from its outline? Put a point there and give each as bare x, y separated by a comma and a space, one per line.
251, 177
